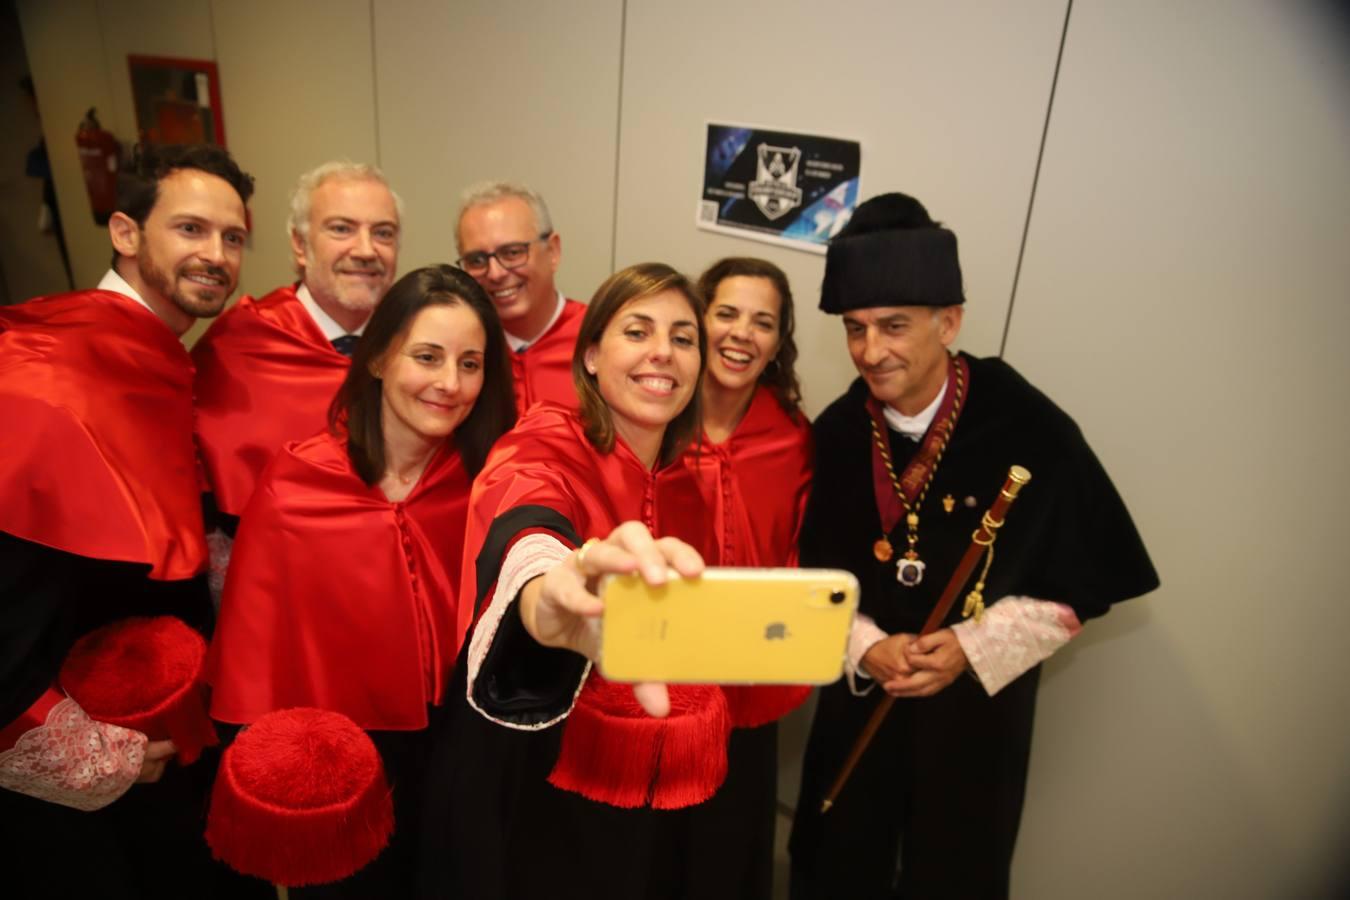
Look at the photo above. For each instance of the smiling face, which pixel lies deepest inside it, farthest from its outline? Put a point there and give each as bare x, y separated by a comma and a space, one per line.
646, 366
743, 331
525, 296
188, 254
350, 255
432, 374
901, 351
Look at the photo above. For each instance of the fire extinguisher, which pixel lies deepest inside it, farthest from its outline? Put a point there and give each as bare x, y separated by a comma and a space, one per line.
100, 155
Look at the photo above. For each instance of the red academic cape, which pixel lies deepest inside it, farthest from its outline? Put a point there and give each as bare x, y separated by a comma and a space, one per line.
756, 483
265, 376
543, 370
96, 392
337, 598
548, 462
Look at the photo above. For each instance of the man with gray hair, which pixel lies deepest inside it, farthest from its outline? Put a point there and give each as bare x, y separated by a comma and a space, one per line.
507, 243
268, 368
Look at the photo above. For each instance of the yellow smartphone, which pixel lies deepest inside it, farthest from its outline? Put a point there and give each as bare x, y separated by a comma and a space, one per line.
728, 626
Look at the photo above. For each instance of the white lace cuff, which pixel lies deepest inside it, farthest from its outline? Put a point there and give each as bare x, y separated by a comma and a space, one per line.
528, 558
1015, 634
861, 636
73, 760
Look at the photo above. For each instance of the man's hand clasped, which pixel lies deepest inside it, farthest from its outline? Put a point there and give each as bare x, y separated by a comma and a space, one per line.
909, 666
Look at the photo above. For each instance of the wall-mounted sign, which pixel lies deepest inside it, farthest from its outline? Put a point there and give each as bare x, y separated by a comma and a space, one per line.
796, 190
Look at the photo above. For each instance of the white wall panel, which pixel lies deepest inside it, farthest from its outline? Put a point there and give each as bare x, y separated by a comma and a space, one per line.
298, 89
1185, 298
948, 101
502, 89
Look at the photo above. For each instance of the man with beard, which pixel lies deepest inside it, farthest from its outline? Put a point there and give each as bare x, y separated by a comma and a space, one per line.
507, 243
268, 368
100, 519
907, 461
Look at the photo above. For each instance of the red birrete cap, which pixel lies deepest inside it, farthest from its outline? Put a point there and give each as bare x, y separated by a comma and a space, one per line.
300, 798
144, 674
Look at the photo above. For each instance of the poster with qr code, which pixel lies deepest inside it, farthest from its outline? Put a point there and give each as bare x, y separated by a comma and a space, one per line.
794, 190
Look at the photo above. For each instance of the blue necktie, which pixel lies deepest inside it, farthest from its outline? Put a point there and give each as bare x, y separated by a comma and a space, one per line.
345, 344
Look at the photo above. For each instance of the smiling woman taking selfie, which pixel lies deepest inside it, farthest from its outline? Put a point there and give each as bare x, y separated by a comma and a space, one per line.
565, 784
341, 592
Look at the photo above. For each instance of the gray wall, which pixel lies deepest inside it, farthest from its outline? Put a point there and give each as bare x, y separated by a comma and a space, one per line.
1183, 294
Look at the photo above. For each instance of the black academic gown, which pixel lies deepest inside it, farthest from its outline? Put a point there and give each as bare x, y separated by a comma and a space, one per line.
945, 776
495, 828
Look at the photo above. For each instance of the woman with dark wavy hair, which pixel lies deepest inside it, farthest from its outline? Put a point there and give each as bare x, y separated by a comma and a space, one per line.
751, 413
342, 589
753, 461
603, 778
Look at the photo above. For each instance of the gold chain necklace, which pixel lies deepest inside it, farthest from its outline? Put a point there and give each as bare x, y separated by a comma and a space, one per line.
909, 571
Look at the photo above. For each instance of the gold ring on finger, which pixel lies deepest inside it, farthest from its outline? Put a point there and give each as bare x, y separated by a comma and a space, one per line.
581, 554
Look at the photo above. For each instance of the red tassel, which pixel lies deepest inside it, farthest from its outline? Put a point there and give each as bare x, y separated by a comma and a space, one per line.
614, 753
145, 674
755, 705
300, 798
693, 761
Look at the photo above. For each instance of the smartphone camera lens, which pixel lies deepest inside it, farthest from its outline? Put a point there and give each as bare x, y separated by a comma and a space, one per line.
836, 597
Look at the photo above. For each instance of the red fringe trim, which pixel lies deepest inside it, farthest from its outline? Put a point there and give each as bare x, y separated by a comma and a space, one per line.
298, 846
614, 753
180, 715
754, 705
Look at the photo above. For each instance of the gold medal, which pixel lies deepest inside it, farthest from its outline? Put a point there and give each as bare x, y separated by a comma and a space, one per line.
883, 550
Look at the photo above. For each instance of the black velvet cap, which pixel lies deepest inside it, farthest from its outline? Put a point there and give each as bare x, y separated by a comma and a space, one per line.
891, 253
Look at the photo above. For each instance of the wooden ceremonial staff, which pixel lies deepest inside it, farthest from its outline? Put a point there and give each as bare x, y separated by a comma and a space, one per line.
982, 539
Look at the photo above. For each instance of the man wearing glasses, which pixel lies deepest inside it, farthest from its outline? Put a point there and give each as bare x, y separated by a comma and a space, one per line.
507, 243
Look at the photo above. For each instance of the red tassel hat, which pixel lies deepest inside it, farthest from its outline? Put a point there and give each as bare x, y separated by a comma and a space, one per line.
613, 752
145, 674
300, 798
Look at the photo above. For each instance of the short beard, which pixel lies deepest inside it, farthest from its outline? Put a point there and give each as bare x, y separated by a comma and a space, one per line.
359, 300
364, 301
164, 283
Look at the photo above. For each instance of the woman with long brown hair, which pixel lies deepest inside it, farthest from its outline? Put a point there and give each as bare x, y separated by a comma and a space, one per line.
342, 589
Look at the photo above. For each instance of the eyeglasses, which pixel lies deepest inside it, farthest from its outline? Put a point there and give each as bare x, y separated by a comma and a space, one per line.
508, 256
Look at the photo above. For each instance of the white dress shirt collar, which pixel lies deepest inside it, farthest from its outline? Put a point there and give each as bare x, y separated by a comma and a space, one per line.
914, 427
517, 345
330, 328
111, 281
